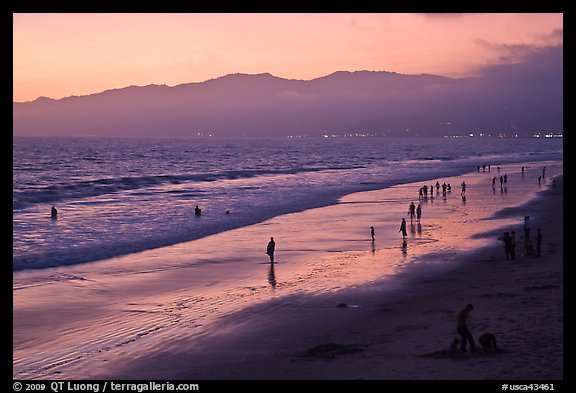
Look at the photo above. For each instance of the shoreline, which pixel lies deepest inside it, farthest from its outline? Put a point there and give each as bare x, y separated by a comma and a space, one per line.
405, 334
254, 342
330, 199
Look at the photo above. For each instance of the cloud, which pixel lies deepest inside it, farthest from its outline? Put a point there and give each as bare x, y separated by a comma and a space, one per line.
514, 53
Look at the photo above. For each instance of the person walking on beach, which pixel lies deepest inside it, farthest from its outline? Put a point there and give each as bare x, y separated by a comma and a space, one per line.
538, 242
372, 232
403, 228
418, 213
270, 249
462, 328
411, 210
463, 188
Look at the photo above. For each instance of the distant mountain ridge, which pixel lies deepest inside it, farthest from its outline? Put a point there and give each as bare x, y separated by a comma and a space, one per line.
377, 102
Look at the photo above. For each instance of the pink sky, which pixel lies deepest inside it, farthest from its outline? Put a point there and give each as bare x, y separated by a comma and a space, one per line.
58, 55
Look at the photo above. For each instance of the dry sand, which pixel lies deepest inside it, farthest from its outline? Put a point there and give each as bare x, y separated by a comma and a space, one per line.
386, 329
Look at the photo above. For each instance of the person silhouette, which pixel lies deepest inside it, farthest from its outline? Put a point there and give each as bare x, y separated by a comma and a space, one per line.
418, 213
462, 329
538, 242
507, 239
403, 228
527, 224
197, 211
372, 232
53, 212
270, 249
411, 210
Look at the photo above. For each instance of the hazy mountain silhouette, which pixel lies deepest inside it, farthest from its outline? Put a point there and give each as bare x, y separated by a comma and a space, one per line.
516, 97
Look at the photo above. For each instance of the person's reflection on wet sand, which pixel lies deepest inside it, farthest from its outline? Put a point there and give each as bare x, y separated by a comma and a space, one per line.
404, 248
272, 276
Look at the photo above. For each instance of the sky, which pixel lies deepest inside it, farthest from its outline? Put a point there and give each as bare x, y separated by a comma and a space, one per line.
60, 55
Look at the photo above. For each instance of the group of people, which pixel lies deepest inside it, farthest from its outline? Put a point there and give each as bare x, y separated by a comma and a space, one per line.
414, 211
503, 181
423, 191
509, 240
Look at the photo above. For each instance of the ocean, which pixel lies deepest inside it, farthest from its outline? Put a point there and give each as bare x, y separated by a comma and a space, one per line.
117, 196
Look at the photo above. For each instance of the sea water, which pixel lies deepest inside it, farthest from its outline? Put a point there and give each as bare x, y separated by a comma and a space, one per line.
121, 195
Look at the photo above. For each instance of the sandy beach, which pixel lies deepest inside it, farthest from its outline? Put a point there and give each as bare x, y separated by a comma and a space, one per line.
335, 306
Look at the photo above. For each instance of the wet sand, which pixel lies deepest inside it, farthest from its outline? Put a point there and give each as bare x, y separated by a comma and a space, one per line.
216, 309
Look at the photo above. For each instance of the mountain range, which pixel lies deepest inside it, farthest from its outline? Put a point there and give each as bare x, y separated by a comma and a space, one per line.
512, 98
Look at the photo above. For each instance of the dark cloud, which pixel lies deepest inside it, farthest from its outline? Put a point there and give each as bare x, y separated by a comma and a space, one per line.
520, 52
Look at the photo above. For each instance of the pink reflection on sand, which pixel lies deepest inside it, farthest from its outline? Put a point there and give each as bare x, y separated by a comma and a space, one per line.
71, 319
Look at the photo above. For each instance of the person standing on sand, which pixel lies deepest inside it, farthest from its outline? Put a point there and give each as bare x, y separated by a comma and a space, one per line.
418, 212
527, 228
513, 245
507, 239
538, 242
462, 329
411, 210
270, 249
372, 232
403, 228
463, 188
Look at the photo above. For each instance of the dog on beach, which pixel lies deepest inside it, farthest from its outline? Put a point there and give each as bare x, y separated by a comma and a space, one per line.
455, 346
488, 342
